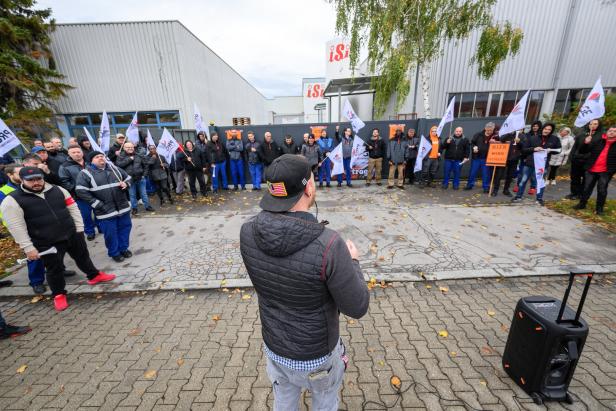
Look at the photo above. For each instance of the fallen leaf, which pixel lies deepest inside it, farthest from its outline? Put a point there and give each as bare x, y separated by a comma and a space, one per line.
491, 313
223, 282
395, 381
150, 374
157, 349
98, 297
487, 350
453, 353
482, 382
180, 361
382, 258
216, 318
246, 297
504, 328
351, 321
443, 289
36, 299
381, 363
183, 290
21, 369
134, 331
225, 290
191, 297
443, 334
428, 286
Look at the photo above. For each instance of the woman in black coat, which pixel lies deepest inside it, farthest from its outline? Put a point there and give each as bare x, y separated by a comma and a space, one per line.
159, 173
195, 165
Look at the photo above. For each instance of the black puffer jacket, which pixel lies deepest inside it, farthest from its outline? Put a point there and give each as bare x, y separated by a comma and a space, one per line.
135, 166
198, 160
218, 152
378, 150
458, 149
515, 150
482, 142
157, 167
101, 189
68, 173
594, 148
304, 276
269, 152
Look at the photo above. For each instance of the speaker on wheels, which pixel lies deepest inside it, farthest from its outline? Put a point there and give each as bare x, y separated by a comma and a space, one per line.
544, 345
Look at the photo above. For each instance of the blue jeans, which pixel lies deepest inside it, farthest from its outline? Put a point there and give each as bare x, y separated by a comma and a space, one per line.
220, 176
132, 192
323, 382
476, 165
86, 213
527, 174
256, 171
455, 167
346, 162
237, 170
117, 233
325, 171
36, 272
533, 178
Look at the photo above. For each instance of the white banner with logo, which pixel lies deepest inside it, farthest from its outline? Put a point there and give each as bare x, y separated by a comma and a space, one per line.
594, 106
105, 132
516, 120
199, 123
540, 158
425, 146
132, 132
8, 139
349, 113
149, 140
448, 117
336, 158
167, 146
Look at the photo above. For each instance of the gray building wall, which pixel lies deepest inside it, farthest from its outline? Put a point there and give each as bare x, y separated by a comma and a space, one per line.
149, 66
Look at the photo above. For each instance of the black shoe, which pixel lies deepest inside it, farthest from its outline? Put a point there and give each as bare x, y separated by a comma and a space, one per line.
243, 188
194, 196
6, 283
540, 202
571, 197
444, 187
485, 191
117, 258
135, 211
90, 237
390, 187
579, 206
467, 188
599, 211
507, 193
339, 185
171, 200
204, 194
350, 185
494, 193
320, 185
235, 188
516, 199
126, 254
10, 331
401, 187
368, 184
328, 185
69, 273
149, 208
39, 289
455, 188
379, 184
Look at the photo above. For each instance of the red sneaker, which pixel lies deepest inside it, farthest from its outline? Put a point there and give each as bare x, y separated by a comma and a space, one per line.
102, 277
532, 191
515, 189
59, 301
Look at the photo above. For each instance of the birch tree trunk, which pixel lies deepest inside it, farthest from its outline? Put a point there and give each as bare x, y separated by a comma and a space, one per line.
425, 84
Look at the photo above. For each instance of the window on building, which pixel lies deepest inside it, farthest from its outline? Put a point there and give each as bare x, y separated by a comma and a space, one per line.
146, 118
122, 118
169, 117
534, 105
562, 97
79, 120
155, 121
509, 100
481, 105
466, 104
494, 107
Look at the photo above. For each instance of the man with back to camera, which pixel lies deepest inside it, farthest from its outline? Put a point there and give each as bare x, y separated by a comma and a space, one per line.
304, 275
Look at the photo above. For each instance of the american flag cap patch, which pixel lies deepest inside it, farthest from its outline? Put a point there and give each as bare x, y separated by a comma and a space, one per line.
277, 189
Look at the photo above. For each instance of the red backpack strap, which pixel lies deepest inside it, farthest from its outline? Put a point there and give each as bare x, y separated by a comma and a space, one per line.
324, 262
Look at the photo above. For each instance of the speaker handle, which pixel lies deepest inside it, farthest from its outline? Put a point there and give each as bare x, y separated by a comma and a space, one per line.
575, 273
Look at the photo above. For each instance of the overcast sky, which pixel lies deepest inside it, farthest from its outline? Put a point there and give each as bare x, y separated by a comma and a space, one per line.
272, 43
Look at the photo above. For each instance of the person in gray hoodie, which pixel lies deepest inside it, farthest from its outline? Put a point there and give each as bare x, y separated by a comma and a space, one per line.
347, 151
312, 152
235, 147
396, 149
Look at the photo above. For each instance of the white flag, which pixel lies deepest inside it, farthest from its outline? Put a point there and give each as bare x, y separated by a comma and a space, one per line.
8, 139
105, 132
199, 124
167, 146
95, 146
540, 158
349, 113
359, 155
516, 119
594, 106
149, 140
132, 132
447, 118
336, 158
425, 146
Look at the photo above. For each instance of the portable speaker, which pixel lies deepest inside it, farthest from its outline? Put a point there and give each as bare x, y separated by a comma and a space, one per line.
544, 345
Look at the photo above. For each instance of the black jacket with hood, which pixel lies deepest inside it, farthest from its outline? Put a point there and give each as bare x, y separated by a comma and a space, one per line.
304, 277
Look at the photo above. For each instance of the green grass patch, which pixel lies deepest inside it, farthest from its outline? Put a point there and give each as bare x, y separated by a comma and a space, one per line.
607, 220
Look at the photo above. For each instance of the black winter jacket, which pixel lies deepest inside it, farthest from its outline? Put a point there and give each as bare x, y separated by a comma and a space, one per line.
177, 161
269, 152
515, 150
290, 148
218, 152
136, 167
594, 148
458, 149
304, 277
413, 147
530, 143
481, 141
101, 189
252, 157
199, 160
69, 172
111, 155
378, 150
156, 170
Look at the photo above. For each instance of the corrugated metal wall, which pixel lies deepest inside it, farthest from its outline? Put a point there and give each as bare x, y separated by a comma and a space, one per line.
589, 52
149, 66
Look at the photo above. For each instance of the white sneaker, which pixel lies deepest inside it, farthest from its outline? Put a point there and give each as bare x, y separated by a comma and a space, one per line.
553, 182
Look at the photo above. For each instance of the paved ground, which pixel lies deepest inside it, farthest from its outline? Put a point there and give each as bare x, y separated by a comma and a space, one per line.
202, 350
403, 235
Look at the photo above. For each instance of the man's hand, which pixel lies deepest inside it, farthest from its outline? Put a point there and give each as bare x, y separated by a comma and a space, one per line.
117, 152
44, 168
391, 163
123, 185
449, 140
189, 159
352, 249
475, 149
588, 139
213, 165
205, 169
32, 255
253, 149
